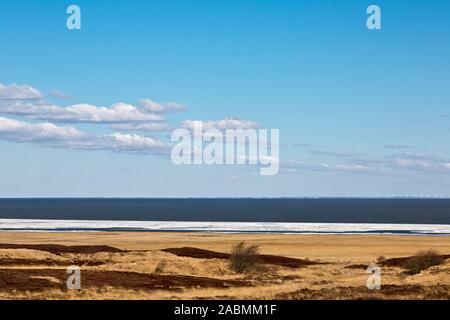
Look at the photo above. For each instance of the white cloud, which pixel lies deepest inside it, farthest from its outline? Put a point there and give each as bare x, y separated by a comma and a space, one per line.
60, 95
147, 126
155, 107
295, 165
71, 138
13, 100
132, 142
18, 131
117, 113
393, 164
223, 124
334, 154
19, 92
418, 163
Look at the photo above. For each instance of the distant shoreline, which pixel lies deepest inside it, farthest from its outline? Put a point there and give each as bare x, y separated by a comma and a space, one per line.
41, 225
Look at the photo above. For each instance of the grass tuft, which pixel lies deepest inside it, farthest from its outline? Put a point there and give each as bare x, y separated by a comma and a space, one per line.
244, 258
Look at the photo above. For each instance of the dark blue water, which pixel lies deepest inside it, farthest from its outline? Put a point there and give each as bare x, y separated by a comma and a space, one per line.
405, 211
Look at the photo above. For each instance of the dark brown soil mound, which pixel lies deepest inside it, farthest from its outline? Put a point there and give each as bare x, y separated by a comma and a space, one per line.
47, 262
386, 292
269, 259
393, 262
60, 249
401, 262
31, 280
197, 253
357, 266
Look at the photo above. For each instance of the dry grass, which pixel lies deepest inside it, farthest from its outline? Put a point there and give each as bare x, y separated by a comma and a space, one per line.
244, 258
422, 261
149, 273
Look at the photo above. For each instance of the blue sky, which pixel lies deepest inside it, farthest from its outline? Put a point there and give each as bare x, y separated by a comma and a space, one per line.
360, 112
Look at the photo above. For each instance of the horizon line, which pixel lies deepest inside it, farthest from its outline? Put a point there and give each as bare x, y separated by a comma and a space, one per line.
231, 198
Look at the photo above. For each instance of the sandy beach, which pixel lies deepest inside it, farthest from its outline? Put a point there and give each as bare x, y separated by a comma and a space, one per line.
145, 265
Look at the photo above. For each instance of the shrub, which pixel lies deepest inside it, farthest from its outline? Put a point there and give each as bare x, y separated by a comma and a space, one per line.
422, 261
244, 258
381, 259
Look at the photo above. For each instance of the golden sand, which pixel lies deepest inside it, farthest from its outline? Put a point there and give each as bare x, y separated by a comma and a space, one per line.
331, 280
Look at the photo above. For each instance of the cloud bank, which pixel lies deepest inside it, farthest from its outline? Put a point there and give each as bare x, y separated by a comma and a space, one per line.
154, 107
79, 113
19, 131
39, 126
48, 134
222, 124
390, 164
19, 92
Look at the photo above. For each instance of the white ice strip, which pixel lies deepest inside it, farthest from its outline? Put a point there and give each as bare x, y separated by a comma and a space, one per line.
264, 227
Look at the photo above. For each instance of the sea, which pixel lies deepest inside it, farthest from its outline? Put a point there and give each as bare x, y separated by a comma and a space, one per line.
402, 216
